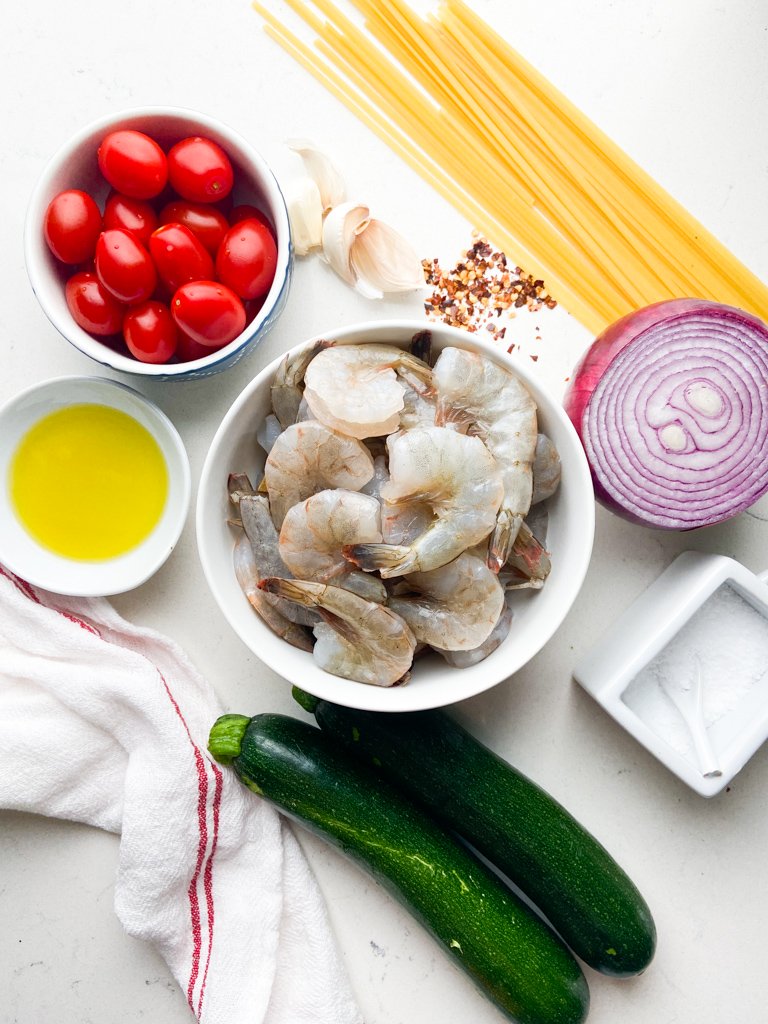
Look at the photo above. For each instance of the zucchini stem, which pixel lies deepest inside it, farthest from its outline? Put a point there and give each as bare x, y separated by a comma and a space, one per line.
226, 737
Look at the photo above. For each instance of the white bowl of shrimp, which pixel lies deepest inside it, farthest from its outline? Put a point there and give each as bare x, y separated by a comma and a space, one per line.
404, 575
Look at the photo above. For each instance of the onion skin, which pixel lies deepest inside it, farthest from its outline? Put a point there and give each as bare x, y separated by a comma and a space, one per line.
634, 330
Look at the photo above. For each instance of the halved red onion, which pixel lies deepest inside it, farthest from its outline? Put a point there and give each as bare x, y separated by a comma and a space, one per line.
671, 404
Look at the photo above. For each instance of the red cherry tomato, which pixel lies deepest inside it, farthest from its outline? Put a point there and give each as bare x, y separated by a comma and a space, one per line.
124, 266
134, 215
150, 332
209, 312
247, 258
91, 306
179, 256
246, 212
133, 164
72, 226
203, 220
188, 349
199, 169
252, 307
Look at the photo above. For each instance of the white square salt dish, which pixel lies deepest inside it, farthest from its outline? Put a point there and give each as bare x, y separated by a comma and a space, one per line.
685, 669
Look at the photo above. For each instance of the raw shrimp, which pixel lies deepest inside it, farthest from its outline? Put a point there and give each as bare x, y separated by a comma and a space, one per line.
287, 388
476, 390
455, 607
379, 478
314, 532
263, 602
358, 639
256, 521
355, 388
419, 409
546, 470
238, 484
457, 477
402, 523
308, 457
528, 564
363, 584
268, 432
465, 659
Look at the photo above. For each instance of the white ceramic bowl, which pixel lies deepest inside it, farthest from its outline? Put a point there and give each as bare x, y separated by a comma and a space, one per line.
23, 555
433, 683
75, 166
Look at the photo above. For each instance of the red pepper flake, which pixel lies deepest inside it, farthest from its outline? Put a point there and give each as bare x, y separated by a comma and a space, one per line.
535, 359
480, 288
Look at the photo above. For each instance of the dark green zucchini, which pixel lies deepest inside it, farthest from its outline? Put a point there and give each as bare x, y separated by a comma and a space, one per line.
526, 834
513, 956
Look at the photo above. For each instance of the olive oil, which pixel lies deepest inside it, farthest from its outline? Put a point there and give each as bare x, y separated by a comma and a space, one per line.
88, 482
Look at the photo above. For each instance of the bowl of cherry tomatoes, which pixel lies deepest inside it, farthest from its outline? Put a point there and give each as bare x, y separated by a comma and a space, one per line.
157, 242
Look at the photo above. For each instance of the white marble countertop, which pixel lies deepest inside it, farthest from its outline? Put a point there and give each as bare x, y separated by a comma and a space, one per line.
683, 86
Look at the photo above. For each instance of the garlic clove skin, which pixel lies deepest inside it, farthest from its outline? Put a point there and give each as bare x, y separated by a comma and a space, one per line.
322, 171
383, 261
341, 227
305, 213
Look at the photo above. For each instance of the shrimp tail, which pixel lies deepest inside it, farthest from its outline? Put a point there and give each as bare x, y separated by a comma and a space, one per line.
421, 346
529, 557
238, 484
503, 538
298, 591
391, 559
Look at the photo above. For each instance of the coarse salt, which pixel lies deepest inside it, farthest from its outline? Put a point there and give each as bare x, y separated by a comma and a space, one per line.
730, 638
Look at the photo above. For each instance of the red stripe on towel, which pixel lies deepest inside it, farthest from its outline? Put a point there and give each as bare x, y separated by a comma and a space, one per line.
20, 584
27, 591
202, 798
208, 878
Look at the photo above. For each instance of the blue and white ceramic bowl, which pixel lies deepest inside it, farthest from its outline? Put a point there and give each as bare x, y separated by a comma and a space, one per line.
75, 166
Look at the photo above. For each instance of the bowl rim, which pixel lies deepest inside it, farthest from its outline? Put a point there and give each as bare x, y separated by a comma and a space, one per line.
129, 580
92, 346
406, 698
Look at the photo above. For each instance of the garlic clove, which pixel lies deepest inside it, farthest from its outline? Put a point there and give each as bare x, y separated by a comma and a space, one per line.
305, 213
322, 171
341, 227
383, 261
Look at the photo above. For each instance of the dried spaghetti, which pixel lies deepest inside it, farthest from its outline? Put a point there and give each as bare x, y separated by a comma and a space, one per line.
513, 155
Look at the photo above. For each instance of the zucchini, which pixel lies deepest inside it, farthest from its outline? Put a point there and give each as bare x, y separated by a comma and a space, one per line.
512, 955
511, 821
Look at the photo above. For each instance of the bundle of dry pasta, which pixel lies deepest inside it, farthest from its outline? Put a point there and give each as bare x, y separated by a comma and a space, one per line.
512, 154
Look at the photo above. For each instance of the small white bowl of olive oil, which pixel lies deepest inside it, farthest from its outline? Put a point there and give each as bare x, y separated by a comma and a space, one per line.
95, 486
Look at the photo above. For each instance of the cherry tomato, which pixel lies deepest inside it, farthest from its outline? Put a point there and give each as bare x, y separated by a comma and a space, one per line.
188, 349
199, 169
91, 306
134, 215
124, 266
246, 212
203, 220
247, 258
150, 332
209, 312
252, 307
179, 256
133, 164
72, 226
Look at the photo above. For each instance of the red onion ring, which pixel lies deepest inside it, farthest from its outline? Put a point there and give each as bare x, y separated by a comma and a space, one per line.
671, 404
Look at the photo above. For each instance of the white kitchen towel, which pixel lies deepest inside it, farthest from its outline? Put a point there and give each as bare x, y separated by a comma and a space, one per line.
105, 723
